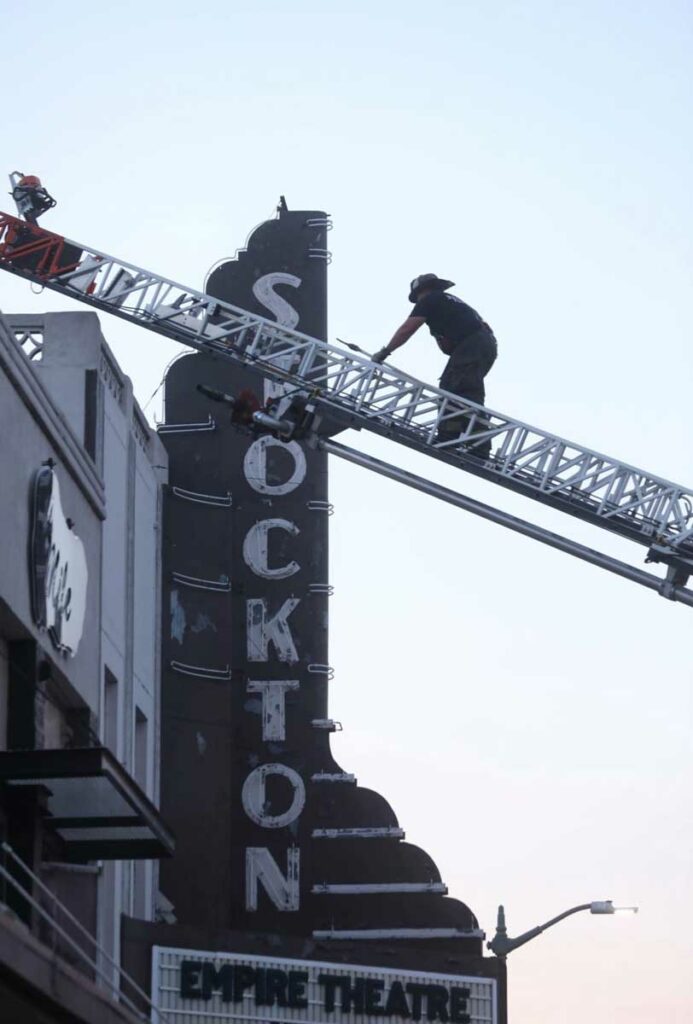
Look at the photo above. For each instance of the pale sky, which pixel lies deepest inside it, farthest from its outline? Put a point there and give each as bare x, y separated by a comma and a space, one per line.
528, 716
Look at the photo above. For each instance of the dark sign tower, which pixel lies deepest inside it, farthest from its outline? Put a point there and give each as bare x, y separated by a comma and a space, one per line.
273, 837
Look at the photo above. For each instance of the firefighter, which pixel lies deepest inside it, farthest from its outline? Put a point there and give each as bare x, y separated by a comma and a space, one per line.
461, 334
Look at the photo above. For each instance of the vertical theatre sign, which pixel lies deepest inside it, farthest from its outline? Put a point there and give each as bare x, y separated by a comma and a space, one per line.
272, 834
246, 556
280, 557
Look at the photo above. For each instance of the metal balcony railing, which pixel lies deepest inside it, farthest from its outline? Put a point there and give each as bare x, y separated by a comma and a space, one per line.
52, 920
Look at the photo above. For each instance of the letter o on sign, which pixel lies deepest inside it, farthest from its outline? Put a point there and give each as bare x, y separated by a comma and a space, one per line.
255, 466
253, 796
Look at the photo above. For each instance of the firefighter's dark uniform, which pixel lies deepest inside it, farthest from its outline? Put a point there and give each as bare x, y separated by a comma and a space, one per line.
469, 342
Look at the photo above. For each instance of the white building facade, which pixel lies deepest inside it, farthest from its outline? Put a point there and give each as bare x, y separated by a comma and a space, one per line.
79, 663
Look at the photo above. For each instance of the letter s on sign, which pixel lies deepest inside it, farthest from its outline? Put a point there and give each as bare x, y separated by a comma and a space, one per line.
263, 290
285, 315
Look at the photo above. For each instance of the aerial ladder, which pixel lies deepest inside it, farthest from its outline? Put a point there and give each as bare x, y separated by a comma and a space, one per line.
330, 387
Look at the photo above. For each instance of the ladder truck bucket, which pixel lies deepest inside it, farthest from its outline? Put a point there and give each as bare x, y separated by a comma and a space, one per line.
30, 196
30, 248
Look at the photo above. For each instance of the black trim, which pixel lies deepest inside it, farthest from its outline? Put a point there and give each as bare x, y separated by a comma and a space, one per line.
131, 821
21, 698
91, 390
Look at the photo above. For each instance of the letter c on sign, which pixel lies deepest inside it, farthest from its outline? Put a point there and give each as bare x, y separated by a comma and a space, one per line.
253, 796
255, 549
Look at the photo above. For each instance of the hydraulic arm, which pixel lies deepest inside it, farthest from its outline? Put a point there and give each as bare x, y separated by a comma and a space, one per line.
334, 387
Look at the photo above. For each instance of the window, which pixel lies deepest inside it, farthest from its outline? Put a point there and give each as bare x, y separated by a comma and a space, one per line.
4, 692
110, 712
140, 771
141, 749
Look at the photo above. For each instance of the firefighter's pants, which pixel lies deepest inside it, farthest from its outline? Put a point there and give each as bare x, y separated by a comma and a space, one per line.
464, 374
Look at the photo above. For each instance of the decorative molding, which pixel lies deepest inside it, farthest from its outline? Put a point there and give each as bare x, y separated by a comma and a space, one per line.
376, 934
111, 377
222, 585
359, 833
222, 674
30, 340
220, 500
377, 888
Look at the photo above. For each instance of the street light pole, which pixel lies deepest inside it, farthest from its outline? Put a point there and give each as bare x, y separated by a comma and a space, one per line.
501, 944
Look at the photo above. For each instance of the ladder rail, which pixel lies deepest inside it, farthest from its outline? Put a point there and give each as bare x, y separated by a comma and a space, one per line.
664, 587
380, 398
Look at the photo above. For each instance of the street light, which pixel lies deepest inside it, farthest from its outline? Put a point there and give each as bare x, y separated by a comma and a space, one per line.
501, 945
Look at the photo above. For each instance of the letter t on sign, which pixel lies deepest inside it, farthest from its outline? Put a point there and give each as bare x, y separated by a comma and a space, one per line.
273, 705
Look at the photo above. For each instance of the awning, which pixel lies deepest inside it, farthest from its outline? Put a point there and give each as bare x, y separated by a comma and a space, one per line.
92, 803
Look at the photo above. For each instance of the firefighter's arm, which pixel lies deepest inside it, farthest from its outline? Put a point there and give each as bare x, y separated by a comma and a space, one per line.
402, 334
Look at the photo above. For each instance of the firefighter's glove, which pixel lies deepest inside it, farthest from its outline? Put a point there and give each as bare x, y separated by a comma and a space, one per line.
381, 355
